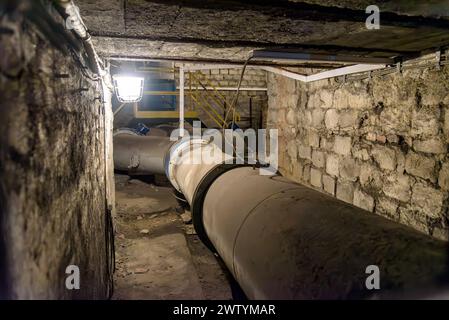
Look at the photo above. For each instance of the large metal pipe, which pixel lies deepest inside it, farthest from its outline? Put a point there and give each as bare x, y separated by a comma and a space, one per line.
189, 161
282, 240
140, 154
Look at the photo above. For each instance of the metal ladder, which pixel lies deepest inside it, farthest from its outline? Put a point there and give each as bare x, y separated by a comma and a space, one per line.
209, 99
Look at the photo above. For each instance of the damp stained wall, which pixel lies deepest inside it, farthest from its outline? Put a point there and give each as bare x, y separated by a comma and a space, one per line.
379, 144
55, 171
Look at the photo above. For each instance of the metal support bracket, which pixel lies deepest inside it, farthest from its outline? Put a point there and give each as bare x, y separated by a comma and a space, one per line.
356, 68
181, 101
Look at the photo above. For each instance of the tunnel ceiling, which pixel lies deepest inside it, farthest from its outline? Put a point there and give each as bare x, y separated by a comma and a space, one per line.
229, 30
427, 8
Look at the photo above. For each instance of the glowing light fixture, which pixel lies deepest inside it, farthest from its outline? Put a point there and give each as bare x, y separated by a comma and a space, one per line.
128, 88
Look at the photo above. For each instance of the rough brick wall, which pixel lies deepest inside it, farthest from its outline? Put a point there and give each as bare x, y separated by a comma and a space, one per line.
380, 144
52, 171
253, 78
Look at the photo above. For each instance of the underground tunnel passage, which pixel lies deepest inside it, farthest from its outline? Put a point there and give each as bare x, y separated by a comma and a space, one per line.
224, 150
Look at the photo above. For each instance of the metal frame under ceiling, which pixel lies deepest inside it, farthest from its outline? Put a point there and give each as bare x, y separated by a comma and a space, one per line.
294, 75
375, 64
348, 65
289, 56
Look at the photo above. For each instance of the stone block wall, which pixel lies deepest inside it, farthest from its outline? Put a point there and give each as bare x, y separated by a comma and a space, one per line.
53, 164
253, 78
379, 144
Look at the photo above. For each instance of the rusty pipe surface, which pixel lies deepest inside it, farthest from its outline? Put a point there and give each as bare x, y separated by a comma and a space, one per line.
283, 240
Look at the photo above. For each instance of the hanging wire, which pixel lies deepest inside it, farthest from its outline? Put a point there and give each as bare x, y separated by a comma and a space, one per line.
233, 105
232, 108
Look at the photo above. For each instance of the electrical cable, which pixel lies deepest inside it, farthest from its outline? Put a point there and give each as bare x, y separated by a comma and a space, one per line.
408, 65
236, 96
83, 68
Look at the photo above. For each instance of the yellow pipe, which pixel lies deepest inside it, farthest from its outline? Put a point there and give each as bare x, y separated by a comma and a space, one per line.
164, 114
161, 93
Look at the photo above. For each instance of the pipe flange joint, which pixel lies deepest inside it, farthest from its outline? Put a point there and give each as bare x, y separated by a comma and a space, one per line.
174, 155
199, 196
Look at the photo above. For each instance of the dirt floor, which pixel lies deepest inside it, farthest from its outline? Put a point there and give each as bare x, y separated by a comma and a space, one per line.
158, 254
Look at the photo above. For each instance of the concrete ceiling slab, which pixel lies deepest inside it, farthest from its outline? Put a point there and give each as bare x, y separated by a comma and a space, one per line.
229, 30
